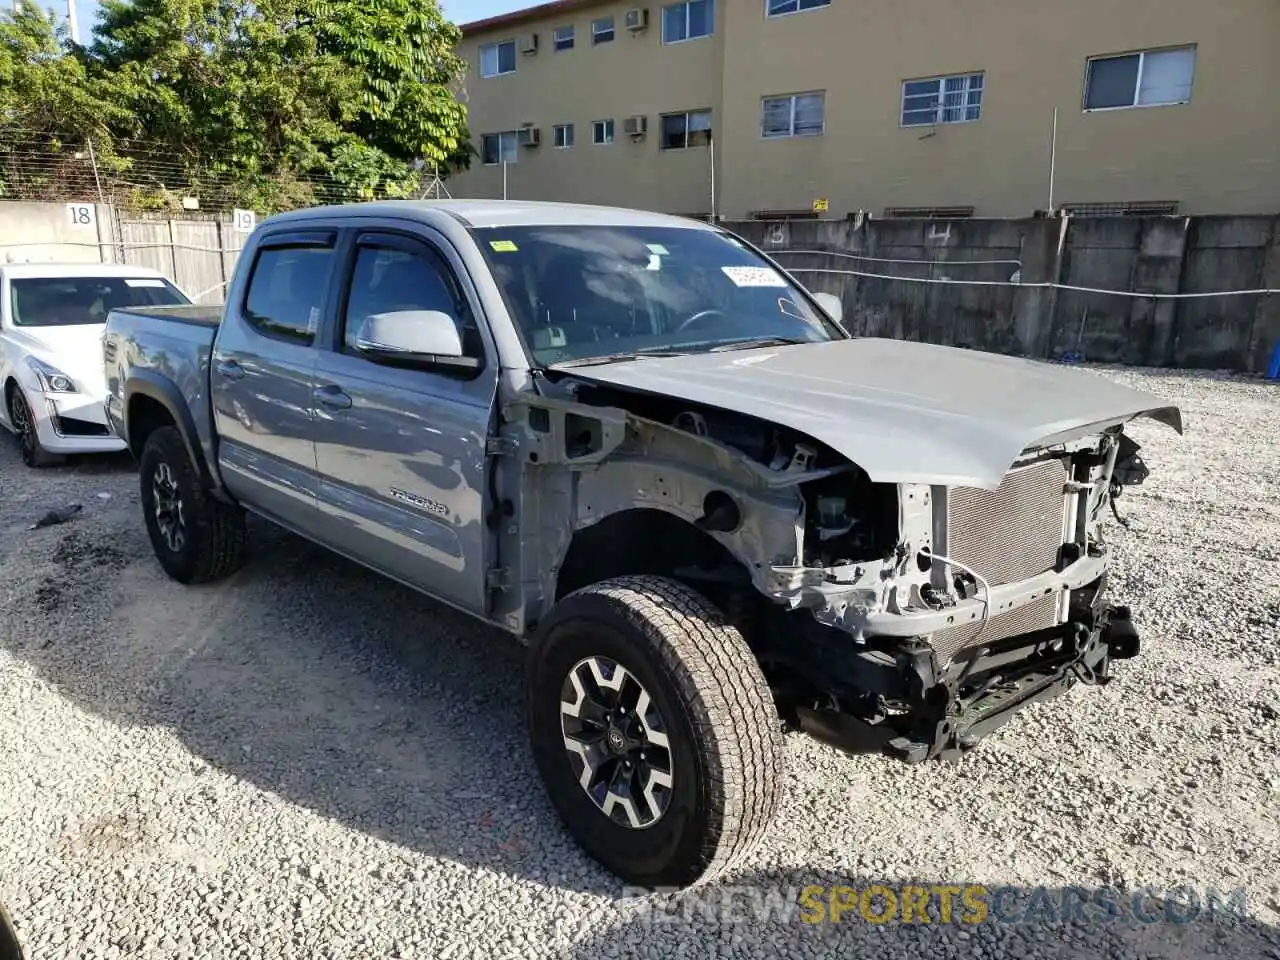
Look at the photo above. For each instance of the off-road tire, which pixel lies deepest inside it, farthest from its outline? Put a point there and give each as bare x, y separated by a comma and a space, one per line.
214, 539
33, 453
719, 715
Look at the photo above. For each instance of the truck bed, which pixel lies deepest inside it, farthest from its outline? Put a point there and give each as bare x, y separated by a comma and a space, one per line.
166, 347
204, 315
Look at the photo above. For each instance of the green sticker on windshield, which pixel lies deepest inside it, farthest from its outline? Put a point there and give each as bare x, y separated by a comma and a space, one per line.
504, 246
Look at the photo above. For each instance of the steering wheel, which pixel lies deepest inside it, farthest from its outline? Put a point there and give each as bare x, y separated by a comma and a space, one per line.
695, 318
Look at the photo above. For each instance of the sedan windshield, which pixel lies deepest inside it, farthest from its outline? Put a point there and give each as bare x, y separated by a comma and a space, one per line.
73, 301
580, 293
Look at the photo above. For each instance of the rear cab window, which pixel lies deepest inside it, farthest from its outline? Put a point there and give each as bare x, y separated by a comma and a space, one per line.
79, 301
287, 284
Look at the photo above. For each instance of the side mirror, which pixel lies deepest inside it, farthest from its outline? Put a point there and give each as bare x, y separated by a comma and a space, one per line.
831, 305
424, 339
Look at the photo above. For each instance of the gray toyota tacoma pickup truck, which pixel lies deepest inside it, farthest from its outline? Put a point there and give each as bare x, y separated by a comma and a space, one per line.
636, 443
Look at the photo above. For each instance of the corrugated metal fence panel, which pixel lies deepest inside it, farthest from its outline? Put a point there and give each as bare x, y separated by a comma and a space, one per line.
197, 257
146, 244
232, 244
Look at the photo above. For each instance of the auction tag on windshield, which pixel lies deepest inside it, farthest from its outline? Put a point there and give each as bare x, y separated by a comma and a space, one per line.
144, 282
657, 249
504, 246
754, 276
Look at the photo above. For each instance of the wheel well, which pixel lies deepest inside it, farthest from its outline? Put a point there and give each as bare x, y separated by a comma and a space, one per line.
640, 542
10, 386
144, 416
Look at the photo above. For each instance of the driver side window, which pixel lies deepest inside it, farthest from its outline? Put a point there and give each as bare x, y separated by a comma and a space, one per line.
387, 279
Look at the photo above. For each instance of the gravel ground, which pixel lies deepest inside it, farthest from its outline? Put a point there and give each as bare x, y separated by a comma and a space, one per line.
307, 761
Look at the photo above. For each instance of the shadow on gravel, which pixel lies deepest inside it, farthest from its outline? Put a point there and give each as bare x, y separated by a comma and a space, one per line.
805, 913
311, 678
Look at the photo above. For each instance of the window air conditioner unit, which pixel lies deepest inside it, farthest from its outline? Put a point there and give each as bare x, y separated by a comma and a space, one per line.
530, 136
637, 18
529, 43
636, 126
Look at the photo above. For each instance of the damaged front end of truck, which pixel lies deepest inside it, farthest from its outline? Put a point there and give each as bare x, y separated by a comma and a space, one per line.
911, 618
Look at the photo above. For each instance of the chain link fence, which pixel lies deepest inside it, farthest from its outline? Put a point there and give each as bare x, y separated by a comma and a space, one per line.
147, 176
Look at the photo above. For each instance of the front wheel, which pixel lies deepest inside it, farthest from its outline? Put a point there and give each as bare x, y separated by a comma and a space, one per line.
654, 731
195, 537
24, 425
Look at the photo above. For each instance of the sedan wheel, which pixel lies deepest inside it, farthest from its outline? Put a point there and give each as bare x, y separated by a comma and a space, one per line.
24, 425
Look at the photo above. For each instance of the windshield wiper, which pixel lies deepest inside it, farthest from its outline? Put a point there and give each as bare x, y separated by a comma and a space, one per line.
756, 342
619, 357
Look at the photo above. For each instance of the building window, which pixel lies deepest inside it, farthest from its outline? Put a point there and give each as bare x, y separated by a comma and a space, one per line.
602, 131
942, 100
1146, 79
562, 38
688, 21
778, 8
1134, 208
562, 135
681, 130
929, 213
500, 147
797, 115
602, 30
498, 58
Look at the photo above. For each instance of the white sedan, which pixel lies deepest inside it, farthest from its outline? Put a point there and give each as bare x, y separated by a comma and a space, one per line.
51, 375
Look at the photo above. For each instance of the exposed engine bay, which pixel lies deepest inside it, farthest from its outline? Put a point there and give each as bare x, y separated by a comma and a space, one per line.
881, 605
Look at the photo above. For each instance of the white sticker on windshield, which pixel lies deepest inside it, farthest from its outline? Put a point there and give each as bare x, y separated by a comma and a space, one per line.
144, 282
657, 248
754, 276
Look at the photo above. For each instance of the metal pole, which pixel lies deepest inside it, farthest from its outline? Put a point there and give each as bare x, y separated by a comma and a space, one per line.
1053, 157
93, 161
117, 254
711, 152
504, 178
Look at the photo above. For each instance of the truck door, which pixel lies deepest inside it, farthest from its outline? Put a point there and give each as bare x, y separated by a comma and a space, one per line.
262, 368
400, 453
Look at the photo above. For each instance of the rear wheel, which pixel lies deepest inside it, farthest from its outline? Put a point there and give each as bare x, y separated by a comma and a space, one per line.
24, 425
195, 537
654, 731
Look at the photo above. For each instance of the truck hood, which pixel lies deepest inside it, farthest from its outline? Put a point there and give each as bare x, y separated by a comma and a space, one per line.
904, 412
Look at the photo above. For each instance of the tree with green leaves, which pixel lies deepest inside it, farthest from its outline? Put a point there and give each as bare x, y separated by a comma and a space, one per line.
48, 105
274, 93
42, 90
268, 103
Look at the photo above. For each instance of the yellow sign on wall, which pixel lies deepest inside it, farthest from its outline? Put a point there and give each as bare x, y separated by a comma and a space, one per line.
820, 205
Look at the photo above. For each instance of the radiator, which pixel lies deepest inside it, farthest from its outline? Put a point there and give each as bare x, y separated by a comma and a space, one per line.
1008, 535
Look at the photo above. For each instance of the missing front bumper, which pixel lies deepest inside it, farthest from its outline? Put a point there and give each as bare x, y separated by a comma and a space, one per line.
950, 711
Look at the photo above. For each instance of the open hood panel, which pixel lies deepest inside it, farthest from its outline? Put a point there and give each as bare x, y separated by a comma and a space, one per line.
904, 412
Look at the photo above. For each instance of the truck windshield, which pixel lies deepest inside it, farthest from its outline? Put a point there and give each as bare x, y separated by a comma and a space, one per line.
72, 301
583, 292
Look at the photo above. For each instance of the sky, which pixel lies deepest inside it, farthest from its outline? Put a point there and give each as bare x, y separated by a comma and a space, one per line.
459, 11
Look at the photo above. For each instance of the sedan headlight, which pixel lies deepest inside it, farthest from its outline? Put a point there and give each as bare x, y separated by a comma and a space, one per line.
52, 380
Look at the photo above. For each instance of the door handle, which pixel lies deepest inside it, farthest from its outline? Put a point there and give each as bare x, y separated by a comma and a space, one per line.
230, 369
332, 397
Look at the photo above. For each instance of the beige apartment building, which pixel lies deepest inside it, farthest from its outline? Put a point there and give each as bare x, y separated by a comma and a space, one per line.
770, 108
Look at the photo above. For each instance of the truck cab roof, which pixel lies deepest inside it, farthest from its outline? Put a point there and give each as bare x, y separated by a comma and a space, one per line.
494, 213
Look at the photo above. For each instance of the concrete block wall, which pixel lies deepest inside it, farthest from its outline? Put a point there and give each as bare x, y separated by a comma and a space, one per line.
1004, 311
1026, 307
